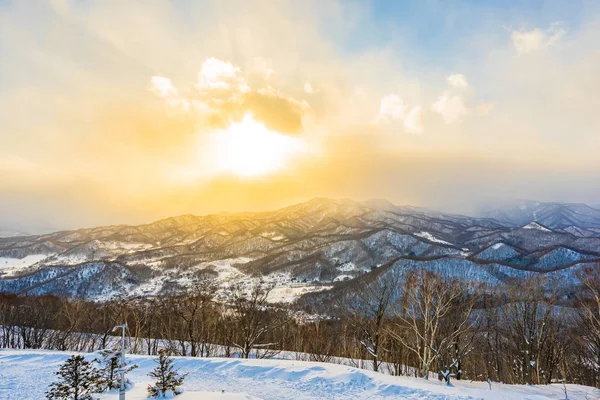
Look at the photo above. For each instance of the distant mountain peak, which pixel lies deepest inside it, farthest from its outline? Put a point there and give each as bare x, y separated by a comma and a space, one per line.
535, 225
552, 215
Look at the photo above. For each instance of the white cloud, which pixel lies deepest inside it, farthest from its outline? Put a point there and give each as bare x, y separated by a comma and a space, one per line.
217, 74
308, 88
451, 108
535, 40
164, 88
457, 81
392, 108
222, 95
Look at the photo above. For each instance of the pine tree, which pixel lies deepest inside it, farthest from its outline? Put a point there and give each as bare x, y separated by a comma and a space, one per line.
111, 363
167, 377
78, 380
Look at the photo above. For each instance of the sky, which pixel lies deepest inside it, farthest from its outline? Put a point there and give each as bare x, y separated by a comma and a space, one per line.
127, 112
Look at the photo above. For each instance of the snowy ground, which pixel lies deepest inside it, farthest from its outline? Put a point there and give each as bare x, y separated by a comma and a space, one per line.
10, 266
25, 374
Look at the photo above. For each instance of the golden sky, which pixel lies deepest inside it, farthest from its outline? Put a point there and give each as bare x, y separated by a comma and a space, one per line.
125, 112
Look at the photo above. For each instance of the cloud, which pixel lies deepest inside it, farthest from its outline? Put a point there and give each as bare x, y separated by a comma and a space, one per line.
223, 95
164, 88
278, 111
413, 122
308, 88
221, 75
457, 81
537, 39
392, 108
450, 107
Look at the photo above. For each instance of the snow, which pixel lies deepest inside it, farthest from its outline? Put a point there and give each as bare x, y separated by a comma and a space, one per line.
11, 265
430, 237
342, 277
70, 259
347, 267
216, 396
25, 374
225, 269
288, 294
535, 225
273, 236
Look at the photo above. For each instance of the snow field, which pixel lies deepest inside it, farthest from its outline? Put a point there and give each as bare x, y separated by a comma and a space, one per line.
25, 374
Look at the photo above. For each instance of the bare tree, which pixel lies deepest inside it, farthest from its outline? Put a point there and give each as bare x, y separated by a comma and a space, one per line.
194, 310
253, 321
589, 315
427, 301
319, 342
527, 319
369, 310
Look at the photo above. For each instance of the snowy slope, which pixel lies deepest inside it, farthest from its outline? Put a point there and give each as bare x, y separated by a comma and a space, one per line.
25, 374
313, 246
552, 215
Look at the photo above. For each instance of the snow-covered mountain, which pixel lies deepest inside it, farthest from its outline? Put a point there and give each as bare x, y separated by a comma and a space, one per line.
11, 233
315, 246
551, 215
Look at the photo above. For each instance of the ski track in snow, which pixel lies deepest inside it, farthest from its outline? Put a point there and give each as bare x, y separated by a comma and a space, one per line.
25, 374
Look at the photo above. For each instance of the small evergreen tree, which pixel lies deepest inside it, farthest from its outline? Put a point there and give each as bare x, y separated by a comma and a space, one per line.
78, 379
167, 377
111, 363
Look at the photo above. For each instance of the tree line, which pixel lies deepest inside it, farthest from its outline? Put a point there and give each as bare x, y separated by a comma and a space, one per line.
526, 331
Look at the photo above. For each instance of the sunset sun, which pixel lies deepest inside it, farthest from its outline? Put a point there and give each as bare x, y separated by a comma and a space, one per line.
249, 149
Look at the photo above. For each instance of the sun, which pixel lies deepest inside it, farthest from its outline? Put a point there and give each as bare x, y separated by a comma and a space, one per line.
249, 149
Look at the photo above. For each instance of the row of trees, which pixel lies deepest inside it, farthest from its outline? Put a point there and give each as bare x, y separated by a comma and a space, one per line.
418, 323
80, 379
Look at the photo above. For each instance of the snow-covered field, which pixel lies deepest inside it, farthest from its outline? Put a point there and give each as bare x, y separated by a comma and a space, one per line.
9, 266
25, 374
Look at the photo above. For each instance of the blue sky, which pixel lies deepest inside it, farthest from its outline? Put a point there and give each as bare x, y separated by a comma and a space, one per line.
445, 33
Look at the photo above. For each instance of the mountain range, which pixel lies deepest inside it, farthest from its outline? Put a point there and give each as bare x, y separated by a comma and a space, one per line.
315, 246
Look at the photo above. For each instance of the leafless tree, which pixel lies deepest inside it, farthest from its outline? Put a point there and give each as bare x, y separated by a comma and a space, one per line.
194, 310
427, 301
589, 314
369, 310
528, 323
252, 319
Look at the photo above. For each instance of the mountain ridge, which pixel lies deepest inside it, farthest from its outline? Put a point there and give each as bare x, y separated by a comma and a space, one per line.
303, 248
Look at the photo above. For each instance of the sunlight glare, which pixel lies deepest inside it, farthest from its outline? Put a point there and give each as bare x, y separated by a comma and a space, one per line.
249, 149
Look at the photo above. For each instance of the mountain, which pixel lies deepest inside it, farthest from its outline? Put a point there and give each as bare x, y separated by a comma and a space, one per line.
11, 233
319, 246
569, 216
